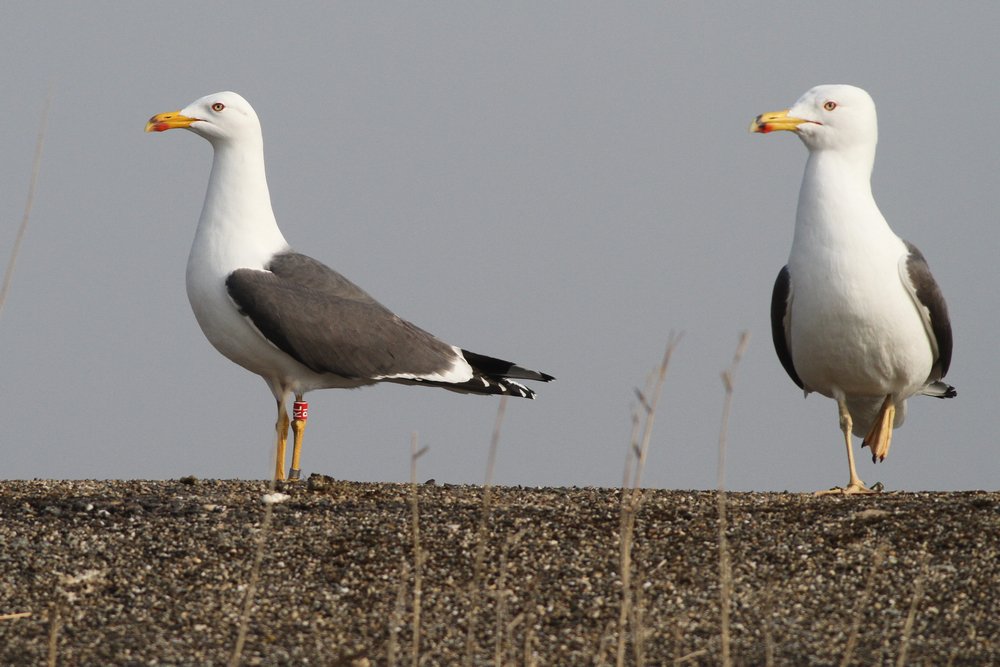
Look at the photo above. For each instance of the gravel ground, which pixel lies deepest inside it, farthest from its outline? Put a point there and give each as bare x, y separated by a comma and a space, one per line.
137, 572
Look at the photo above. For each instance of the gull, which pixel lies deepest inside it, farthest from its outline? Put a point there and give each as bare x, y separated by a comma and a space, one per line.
855, 314
289, 318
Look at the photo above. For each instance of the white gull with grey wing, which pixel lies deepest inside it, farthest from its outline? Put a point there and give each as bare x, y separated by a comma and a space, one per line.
287, 317
856, 314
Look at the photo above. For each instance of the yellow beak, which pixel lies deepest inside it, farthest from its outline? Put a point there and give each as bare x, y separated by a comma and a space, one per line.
169, 121
775, 120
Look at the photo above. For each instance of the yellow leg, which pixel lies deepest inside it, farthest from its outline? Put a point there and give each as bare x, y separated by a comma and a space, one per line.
298, 428
880, 436
855, 485
281, 431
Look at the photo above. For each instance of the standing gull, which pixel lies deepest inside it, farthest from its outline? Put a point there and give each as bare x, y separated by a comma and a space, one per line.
287, 317
856, 314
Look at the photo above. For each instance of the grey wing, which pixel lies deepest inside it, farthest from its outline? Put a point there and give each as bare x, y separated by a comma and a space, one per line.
330, 325
916, 276
781, 309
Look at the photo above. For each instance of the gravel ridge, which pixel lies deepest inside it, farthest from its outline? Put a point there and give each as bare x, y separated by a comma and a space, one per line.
132, 572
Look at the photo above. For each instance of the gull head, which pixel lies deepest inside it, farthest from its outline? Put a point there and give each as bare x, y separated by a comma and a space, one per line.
833, 116
220, 118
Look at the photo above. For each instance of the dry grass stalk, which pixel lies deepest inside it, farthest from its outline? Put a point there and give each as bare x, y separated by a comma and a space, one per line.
768, 610
241, 634
852, 638
918, 592
650, 408
633, 451
509, 632
418, 554
678, 636
632, 494
396, 617
35, 168
693, 655
15, 615
638, 626
54, 625
604, 644
480, 557
502, 631
529, 642
629, 509
70, 587
680, 659
725, 567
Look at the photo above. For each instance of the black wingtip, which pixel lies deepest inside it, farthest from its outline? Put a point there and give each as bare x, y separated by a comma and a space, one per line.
501, 368
940, 389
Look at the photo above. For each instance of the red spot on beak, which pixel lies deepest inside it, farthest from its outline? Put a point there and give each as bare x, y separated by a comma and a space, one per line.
159, 127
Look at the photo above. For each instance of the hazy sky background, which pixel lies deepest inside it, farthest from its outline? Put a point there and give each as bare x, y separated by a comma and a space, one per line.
560, 184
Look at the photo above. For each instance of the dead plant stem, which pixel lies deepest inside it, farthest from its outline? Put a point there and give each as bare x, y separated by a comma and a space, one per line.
632, 496
32, 184
918, 593
418, 554
251, 590
725, 567
15, 615
54, 624
480, 557
852, 638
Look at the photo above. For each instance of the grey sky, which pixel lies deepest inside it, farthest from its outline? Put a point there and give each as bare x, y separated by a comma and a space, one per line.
562, 185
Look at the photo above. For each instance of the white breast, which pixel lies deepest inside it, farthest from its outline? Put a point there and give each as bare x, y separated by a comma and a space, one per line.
854, 328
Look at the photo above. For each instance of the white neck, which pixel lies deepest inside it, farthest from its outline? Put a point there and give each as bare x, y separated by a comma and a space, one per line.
237, 228
835, 200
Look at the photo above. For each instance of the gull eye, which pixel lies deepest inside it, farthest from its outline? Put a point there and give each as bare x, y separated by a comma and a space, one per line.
829, 106
219, 106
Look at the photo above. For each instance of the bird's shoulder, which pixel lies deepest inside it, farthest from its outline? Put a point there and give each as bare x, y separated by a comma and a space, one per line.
297, 271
